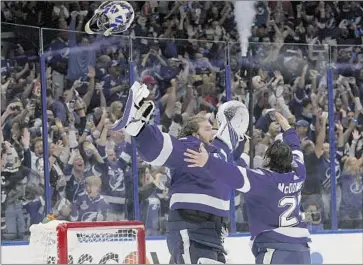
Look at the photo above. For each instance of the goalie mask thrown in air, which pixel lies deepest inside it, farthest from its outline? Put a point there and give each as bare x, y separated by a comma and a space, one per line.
111, 17
232, 119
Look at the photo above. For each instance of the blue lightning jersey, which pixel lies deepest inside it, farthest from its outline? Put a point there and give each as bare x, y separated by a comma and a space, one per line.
273, 199
237, 156
87, 209
190, 188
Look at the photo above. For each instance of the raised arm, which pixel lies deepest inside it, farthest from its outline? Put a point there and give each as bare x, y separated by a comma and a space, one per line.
320, 139
292, 139
159, 149
234, 176
241, 155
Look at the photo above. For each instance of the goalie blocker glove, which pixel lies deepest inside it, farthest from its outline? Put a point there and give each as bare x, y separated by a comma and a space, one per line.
142, 116
137, 111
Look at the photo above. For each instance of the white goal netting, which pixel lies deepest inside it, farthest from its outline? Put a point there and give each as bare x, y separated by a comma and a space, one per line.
91, 245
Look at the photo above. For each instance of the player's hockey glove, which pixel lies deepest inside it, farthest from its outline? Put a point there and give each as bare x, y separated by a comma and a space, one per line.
142, 116
137, 95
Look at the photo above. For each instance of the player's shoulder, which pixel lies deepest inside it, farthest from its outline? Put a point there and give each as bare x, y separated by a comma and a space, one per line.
290, 179
190, 141
264, 172
221, 146
272, 176
259, 176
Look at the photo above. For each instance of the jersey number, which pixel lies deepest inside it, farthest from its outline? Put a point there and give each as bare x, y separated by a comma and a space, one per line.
285, 218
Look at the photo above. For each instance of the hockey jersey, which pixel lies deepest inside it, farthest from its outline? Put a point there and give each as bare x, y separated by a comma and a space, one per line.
237, 155
190, 188
273, 199
352, 196
89, 209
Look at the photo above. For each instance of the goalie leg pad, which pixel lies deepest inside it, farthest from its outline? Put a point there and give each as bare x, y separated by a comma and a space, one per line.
142, 116
138, 93
189, 247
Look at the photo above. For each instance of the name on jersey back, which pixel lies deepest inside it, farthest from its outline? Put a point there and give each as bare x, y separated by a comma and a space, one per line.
291, 187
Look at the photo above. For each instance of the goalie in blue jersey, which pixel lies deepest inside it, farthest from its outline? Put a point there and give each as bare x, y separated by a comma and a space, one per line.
199, 201
272, 195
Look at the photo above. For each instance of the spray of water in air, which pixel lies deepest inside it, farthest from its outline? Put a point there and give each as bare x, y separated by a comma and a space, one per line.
244, 13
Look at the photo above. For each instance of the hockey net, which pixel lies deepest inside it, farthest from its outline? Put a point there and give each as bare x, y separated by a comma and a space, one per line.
60, 242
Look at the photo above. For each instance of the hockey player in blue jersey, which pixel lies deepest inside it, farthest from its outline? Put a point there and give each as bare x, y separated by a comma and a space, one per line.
199, 202
273, 197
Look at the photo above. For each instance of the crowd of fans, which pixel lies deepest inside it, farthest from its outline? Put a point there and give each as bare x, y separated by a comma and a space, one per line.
179, 49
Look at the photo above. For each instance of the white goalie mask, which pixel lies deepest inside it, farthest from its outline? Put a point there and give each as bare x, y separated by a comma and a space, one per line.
111, 17
233, 120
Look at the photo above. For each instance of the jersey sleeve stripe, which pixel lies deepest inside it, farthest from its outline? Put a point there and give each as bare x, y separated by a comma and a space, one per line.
246, 158
299, 155
165, 151
115, 200
246, 187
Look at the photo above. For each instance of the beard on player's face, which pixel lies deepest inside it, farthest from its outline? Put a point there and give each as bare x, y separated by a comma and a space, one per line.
205, 140
205, 132
198, 127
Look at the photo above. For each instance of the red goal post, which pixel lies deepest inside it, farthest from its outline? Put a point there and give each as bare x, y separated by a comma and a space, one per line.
60, 242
